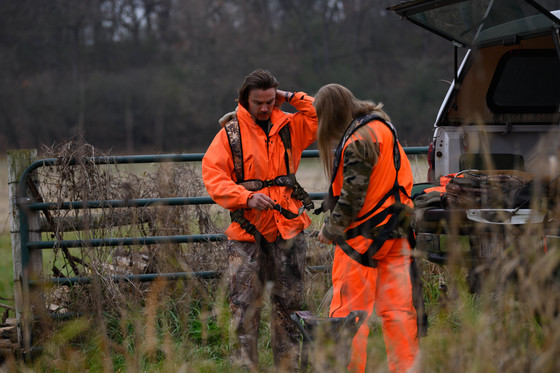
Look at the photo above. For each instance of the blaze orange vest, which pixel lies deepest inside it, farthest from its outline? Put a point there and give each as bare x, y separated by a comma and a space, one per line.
387, 206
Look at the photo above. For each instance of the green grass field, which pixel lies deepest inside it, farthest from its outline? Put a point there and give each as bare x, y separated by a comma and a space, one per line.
6, 270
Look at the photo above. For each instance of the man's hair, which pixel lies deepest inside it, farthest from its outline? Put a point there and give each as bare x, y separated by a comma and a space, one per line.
258, 79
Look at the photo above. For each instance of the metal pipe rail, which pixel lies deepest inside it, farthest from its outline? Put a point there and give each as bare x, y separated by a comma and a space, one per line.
26, 204
148, 277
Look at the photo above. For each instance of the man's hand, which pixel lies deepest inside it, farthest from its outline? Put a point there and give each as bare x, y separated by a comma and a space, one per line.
282, 96
260, 201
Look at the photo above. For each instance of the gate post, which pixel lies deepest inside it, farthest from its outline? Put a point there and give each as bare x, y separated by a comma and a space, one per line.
18, 161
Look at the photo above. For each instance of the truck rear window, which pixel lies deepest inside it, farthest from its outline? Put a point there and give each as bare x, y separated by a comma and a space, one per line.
526, 81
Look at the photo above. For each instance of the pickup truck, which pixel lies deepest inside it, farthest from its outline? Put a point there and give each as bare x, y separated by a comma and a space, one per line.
500, 120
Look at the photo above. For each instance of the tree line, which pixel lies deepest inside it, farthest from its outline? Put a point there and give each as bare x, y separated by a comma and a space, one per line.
138, 76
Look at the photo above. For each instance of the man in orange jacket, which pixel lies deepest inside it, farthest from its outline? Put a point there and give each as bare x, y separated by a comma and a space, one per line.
249, 169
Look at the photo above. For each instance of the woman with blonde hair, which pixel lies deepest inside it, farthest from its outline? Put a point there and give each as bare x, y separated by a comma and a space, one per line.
369, 203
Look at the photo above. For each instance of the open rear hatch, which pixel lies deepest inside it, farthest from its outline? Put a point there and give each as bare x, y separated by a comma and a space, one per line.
481, 23
509, 80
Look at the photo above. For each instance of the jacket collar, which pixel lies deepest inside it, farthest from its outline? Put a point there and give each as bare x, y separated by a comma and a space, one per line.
278, 118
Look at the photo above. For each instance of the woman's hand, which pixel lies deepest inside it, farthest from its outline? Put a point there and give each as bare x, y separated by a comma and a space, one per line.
322, 238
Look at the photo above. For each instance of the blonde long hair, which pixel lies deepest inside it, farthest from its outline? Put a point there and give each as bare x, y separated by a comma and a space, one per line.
336, 108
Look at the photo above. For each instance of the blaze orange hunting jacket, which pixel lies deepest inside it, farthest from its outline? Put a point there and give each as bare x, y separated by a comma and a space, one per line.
263, 159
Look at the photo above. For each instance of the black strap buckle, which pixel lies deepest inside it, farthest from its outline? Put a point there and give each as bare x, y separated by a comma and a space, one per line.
248, 227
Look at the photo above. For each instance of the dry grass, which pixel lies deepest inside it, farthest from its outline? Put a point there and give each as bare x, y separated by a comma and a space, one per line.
511, 325
87, 182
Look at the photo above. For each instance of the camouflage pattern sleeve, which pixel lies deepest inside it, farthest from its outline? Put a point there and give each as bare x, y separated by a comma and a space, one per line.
356, 173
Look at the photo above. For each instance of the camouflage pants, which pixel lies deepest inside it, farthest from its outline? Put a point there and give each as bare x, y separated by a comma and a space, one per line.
277, 267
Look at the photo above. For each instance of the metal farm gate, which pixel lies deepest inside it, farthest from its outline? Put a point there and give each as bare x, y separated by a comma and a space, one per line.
26, 234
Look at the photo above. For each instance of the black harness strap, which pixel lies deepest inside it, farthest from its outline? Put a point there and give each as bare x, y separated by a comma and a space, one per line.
237, 216
298, 192
287, 141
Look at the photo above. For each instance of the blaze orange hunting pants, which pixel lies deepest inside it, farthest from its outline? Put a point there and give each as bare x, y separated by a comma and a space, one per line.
387, 287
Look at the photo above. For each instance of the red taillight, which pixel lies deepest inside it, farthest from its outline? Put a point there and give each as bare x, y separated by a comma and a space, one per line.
431, 163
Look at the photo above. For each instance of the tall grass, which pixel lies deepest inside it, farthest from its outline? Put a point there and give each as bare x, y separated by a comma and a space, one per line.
510, 325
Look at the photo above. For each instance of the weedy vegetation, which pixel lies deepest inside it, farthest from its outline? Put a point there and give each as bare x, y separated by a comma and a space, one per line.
510, 325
